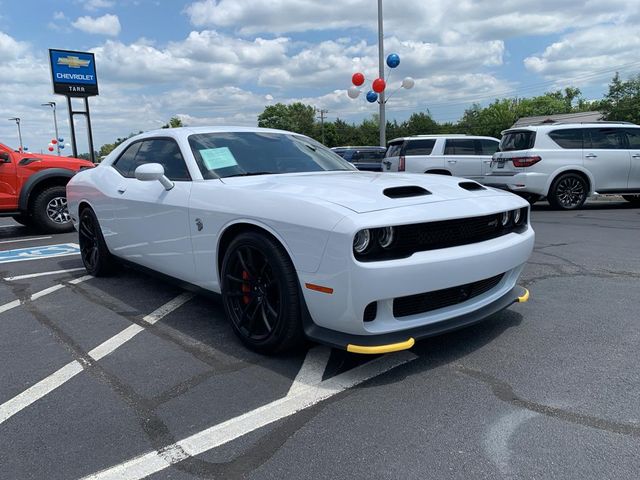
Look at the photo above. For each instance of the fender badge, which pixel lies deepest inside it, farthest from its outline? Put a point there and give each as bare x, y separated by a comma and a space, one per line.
199, 224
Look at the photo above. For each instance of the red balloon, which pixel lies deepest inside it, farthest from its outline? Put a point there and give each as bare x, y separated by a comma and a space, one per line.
357, 79
379, 85
54, 141
51, 149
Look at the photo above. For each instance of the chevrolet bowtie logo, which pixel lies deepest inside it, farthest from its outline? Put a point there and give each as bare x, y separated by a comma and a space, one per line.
73, 62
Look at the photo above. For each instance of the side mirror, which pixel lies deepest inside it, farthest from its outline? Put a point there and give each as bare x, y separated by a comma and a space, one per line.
4, 157
149, 172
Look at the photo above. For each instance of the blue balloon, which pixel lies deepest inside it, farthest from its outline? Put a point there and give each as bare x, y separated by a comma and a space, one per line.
61, 139
372, 96
60, 146
393, 60
25, 148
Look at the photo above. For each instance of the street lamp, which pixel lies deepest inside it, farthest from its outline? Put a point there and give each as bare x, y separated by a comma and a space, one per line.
17, 120
55, 122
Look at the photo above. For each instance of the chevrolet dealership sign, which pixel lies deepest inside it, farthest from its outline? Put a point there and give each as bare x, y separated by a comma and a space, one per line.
73, 73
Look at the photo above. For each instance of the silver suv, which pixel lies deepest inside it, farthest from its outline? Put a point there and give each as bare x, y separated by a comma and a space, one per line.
568, 162
458, 155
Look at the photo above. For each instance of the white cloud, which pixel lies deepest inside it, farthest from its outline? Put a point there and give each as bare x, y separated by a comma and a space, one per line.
58, 16
11, 48
105, 25
93, 5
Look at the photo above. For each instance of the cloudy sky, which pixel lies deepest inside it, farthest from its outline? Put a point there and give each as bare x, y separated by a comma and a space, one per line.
221, 61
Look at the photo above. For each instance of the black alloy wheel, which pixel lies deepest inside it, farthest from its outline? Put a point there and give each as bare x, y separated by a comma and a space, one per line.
93, 250
260, 293
632, 199
568, 192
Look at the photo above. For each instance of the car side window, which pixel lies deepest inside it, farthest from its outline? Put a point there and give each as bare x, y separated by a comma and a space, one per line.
394, 149
126, 161
167, 153
633, 136
488, 147
419, 147
460, 146
372, 155
569, 138
605, 139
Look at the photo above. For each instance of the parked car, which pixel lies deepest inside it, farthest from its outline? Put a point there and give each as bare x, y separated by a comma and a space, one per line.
458, 155
32, 188
298, 242
568, 162
363, 158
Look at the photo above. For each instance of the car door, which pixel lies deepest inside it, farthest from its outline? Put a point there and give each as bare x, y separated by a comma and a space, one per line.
487, 148
605, 155
152, 223
8, 180
633, 136
462, 158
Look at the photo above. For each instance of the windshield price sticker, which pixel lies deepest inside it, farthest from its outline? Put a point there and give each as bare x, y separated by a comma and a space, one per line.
216, 158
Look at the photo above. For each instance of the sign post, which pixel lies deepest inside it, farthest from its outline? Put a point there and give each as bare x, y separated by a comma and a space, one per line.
74, 75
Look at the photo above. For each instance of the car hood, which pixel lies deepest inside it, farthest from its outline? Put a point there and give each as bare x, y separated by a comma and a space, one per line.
55, 161
364, 192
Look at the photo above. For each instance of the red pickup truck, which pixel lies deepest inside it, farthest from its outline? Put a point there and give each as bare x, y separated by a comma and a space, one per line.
33, 188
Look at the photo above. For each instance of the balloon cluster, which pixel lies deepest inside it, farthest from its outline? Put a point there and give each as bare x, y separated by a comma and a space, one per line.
54, 142
378, 85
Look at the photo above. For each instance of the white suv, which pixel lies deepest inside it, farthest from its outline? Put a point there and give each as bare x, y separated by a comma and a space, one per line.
458, 155
568, 162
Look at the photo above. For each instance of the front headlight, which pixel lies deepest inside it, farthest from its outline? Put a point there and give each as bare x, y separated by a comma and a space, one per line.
504, 219
517, 215
386, 236
361, 241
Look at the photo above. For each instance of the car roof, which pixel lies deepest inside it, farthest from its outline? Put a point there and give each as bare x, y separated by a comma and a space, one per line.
443, 135
365, 147
183, 132
560, 126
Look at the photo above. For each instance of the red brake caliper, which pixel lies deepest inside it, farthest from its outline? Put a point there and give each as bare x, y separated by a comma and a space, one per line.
246, 288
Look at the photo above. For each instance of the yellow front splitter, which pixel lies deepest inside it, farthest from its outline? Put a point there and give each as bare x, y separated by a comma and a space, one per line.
391, 347
525, 297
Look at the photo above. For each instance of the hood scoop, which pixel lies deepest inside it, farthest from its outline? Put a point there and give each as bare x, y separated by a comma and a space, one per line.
471, 186
405, 191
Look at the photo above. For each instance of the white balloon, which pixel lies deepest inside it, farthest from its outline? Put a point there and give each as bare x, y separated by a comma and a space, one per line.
67, 144
51, 145
353, 92
408, 83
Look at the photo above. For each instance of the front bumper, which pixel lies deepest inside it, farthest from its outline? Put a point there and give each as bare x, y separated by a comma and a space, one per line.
402, 340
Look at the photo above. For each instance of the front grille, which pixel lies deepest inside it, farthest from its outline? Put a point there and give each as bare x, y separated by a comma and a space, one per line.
426, 302
419, 237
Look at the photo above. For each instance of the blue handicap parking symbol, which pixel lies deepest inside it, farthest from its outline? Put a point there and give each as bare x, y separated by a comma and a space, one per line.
40, 252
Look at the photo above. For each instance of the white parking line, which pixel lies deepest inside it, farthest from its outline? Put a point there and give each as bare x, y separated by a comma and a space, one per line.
16, 303
310, 374
66, 373
42, 274
25, 239
155, 461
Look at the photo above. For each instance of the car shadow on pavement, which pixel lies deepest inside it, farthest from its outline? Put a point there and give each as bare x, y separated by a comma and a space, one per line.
604, 205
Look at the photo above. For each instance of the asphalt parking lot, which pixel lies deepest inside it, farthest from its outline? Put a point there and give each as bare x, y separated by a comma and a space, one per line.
132, 377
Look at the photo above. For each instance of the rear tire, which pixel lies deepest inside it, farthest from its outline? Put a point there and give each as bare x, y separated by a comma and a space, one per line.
49, 212
260, 294
632, 199
93, 249
568, 192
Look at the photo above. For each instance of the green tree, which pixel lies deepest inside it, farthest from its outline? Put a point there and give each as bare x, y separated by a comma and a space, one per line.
174, 122
297, 117
622, 101
420, 124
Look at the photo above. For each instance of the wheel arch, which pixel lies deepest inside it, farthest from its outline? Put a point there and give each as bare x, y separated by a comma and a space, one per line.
36, 183
578, 171
232, 230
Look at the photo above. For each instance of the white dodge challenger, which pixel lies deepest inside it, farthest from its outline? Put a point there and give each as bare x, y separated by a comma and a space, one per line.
300, 243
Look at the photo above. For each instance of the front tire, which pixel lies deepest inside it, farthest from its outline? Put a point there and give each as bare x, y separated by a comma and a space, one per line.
93, 249
49, 212
568, 192
23, 220
632, 199
260, 294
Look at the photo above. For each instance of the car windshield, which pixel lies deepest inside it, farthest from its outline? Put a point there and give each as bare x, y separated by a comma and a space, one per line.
233, 154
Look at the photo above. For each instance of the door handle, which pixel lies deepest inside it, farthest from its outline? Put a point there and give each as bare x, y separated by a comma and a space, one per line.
121, 190
452, 161
591, 155
636, 155
488, 162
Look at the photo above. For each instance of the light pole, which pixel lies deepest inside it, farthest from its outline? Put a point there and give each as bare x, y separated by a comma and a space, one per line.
55, 122
17, 120
381, 100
